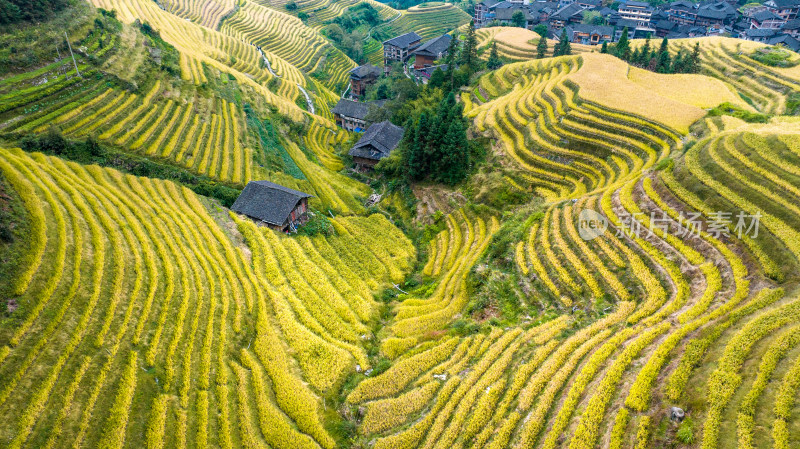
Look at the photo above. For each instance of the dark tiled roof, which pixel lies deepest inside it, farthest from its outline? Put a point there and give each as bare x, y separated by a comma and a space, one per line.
708, 13
490, 3
665, 25
566, 12
434, 47
682, 4
428, 71
355, 109
404, 40
786, 3
635, 4
267, 201
590, 29
677, 35
659, 15
606, 11
508, 13
379, 140
349, 108
364, 71
627, 23
765, 15
760, 32
790, 42
793, 24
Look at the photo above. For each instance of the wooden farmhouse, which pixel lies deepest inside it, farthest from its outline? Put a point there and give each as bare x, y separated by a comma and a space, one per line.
352, 115
361, 77
399, 48
276, 206
379, 140
430, 51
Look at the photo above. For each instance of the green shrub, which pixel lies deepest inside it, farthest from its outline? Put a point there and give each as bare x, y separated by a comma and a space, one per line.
90, 152
685, 432
738, 112
775, 57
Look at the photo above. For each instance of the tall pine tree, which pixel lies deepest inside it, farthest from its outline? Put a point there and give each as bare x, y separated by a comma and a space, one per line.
494, 60
437, 147
645, 55
623, 48
469, 53
693, 66
541, 48
664, 60
563, 48
450, 61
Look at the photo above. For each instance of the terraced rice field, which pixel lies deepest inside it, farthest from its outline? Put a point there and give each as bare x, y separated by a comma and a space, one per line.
728, 60
146, 324
148, 316
207, 136
695, 319
691, 320
321, 11
291, 40
206, 13
519, 44
568, 146
427, 22
199, 45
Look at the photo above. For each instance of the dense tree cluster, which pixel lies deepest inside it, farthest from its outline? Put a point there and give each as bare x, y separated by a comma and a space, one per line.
657, 60
563, 48
347, 31
462, 62
13, 11
518, 19
435, 145
361, 14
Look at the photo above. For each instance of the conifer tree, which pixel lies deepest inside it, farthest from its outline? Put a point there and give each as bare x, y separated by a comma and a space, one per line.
541, 48
623, 48
679, 63
644, 56
664, 62
604, 48
636, 56
469, 53
694, 60
563, 47
664, 46
518, 19
494, 60
566, 48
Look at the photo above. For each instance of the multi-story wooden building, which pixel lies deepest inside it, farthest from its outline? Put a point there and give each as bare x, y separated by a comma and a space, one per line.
579, 33
426, 54
352, 115
786, 9
399, 48
361, 77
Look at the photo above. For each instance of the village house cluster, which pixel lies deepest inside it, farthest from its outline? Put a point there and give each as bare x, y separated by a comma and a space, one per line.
351, 112
774, 22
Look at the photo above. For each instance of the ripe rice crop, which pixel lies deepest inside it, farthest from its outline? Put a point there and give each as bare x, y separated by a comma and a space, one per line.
157, 246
